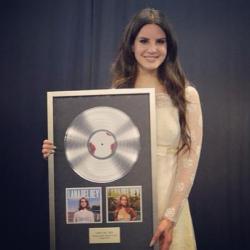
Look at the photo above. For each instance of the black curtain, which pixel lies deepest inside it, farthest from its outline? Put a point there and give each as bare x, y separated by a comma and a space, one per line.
70, 45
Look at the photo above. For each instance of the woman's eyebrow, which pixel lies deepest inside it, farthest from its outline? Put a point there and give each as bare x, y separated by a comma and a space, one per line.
144, 37
162, 38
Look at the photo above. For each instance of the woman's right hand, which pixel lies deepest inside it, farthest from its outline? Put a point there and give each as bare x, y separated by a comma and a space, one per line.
48, 148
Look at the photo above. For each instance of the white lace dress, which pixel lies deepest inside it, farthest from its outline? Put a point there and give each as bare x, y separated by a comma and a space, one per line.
175, 174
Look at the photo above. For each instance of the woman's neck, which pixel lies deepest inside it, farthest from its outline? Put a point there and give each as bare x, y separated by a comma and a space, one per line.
149, 80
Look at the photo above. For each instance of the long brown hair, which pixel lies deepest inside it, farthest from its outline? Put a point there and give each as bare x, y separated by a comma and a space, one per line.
119, 204
170, 73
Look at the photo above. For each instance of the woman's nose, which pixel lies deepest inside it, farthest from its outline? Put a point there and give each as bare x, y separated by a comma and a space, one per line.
152, 48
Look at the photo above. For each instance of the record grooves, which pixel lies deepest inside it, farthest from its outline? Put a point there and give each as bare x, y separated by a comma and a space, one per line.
102, 144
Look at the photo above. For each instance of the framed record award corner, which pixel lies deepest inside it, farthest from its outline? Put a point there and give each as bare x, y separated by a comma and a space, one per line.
102, 175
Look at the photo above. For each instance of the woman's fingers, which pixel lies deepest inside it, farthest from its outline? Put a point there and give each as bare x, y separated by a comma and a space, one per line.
48, 148
155, 237
47, 142
166, 240
163, 234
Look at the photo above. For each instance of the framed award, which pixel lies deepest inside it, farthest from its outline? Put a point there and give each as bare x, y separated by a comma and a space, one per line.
101, 177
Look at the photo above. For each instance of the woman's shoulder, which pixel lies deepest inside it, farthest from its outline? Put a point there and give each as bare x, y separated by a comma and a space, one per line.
130, 210
77, 212
191, 93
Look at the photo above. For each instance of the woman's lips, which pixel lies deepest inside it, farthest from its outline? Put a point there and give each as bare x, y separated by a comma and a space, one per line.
151, 58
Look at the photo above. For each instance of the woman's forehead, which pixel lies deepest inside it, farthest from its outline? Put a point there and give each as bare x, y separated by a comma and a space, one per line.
151, 30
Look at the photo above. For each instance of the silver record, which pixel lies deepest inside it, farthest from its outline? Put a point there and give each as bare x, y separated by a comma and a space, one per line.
102, 144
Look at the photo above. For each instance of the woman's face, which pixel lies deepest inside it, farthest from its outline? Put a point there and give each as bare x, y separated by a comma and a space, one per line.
150, 48
84, 203
124, 201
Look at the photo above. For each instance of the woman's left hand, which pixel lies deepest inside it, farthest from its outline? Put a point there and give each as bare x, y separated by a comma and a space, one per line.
163, 234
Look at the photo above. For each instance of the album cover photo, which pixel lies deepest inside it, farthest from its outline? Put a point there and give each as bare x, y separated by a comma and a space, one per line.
83, 205
124, 204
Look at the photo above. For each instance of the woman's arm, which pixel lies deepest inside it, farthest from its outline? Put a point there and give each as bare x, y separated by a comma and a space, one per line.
187, 161
132, 213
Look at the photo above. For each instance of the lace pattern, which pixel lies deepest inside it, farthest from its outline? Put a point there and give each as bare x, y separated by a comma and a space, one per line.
162, 99
187, 162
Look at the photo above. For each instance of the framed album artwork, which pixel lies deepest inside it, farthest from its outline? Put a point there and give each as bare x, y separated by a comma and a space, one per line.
102, 175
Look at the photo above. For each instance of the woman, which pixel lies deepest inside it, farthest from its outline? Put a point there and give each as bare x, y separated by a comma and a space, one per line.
124, 212
147, 58
84, 215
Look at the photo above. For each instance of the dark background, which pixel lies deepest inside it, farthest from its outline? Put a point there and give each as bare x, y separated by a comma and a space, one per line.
69, 45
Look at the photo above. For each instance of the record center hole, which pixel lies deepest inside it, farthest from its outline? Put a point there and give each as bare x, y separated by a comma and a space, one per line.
102, 144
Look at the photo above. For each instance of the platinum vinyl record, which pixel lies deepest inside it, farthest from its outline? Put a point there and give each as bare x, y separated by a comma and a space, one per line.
102, 144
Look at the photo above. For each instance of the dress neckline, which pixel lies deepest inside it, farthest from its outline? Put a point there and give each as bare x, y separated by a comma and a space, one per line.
162, 94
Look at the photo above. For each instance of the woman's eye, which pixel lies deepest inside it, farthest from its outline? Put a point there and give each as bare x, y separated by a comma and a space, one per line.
161, 41
143, 41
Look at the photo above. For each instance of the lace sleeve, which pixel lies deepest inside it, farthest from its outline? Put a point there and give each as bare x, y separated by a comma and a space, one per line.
187, 162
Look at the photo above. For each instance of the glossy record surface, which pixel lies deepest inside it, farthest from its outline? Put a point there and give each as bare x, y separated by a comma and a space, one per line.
102, 144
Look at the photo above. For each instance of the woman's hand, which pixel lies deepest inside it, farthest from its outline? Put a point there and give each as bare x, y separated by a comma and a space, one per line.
47, 148
164, 233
